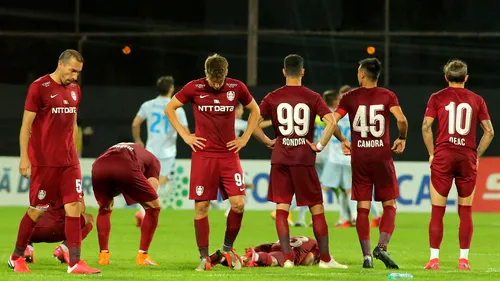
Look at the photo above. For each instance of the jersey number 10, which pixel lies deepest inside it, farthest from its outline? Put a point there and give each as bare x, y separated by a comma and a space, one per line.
360, 125
455, 118
294, 119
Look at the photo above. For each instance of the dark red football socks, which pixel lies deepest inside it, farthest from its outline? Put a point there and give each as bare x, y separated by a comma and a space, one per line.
284, 233
26, 228
320, 229
103, 228
202, 231
436, 226
148, 227
86, 230
466, 226
233, 225
363, 229
387, 224
73, 234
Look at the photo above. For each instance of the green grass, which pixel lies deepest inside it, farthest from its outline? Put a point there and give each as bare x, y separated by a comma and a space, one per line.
174, 248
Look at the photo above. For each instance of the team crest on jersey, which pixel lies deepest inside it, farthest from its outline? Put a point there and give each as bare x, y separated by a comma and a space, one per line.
199, 86
199, 190
46, 84
231, 85
41, 194
230, 95
73, 95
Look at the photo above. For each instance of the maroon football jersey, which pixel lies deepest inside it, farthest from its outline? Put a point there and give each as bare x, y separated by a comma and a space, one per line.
369, 113
51, 142
214, 111
458, 111
147, 162
292, 110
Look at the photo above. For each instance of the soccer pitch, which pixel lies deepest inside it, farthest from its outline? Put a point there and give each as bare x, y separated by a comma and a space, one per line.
174, 248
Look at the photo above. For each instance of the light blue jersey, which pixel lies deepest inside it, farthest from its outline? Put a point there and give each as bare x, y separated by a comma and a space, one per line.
240, 126
162, 136
335, 154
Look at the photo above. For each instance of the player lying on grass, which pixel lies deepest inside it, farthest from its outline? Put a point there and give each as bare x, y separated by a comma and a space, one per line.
305, 252
131, 170
50, 229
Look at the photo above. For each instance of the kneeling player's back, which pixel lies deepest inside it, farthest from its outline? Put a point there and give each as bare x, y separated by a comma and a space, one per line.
292, 110
369, 113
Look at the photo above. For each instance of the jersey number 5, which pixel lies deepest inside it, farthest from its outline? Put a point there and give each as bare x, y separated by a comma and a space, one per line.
294, 119
360, 125
455, 118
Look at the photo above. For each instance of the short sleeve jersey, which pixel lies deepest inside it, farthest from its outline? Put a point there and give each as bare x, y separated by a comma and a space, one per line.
293, 110
162, 137
52, 142
214, 111
369, 114
458, 111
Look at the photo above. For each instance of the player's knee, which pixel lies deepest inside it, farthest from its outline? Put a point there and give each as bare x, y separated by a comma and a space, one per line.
88, 218
201, 208
35, 214
390, 203
238, 206
73, 209
152, 204
103, 210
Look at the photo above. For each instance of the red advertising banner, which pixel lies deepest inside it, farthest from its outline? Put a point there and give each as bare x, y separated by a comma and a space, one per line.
487, 197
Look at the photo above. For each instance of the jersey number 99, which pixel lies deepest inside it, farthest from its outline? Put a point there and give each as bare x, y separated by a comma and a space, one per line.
294, 119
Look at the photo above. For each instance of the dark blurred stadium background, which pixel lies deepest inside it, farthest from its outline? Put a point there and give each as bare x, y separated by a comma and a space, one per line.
413, 39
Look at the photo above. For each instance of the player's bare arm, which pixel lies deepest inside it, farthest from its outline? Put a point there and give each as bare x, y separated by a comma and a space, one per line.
488, 134
190, 139
400, 142
24, 137
253, 120
259, 134
136, 130
346, 145
428, 136
265, 123
330, 127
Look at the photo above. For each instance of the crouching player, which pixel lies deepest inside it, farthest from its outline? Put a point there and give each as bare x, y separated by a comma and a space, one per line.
131, 170
50, 229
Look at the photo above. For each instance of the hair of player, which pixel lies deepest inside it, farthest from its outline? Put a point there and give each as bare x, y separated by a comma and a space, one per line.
329, 96
455, 71
372, 68
216, 67
293, 65
344, 89
164, 84
70, 53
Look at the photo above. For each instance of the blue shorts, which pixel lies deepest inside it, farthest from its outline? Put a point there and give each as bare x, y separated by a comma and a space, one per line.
336, 175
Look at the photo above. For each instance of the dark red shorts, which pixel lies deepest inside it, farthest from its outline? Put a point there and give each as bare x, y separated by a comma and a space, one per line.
285, 181
454, 165
50, 227
311, 246
120, 174
209, 174
378, 176
53, 185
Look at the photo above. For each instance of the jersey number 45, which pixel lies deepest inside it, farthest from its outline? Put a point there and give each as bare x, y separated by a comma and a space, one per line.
361, 125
